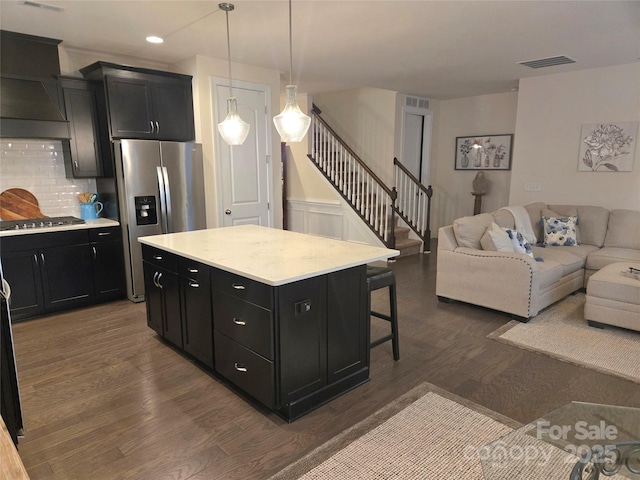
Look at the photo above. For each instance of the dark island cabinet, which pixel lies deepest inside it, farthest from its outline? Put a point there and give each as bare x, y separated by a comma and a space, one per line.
291, 347
162, 294
85, 159
197, 325
145, 104
49, 272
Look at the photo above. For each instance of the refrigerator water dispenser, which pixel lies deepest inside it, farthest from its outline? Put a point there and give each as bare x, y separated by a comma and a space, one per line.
146, 213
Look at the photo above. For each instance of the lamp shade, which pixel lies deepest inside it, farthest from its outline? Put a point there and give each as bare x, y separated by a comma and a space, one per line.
233, 129
292, 124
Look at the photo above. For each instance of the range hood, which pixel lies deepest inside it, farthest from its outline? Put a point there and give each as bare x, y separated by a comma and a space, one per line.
29, 99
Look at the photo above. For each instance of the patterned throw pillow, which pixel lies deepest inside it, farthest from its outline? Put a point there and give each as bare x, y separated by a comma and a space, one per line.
520, 245
560, 231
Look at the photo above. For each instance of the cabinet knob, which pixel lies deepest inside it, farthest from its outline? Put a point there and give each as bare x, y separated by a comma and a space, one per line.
102, 234
157, 127
158, 280
193, 270
237, 321
238, 286
194, 284
95, 254
240, 367
157, 257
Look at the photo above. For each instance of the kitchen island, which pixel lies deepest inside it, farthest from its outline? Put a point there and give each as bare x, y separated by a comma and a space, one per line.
282, 315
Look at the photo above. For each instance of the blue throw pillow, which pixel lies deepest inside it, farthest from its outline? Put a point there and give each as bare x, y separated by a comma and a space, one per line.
560, 231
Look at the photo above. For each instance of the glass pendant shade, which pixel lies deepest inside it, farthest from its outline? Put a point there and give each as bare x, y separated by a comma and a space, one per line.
233, 129
292, 124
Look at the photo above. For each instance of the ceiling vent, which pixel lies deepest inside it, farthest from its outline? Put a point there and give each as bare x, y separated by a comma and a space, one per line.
53, 8
548, 62
416, 102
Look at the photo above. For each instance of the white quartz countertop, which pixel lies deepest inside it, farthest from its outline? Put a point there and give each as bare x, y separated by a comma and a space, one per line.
98, 223
268, 255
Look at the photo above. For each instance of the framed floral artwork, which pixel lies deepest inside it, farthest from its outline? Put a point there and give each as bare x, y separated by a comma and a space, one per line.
608, 147
484, 152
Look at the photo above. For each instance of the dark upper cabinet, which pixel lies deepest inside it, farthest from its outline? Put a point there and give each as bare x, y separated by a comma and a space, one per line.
85, 159
146, 104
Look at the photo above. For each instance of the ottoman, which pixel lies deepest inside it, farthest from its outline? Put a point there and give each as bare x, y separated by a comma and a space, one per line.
613, 297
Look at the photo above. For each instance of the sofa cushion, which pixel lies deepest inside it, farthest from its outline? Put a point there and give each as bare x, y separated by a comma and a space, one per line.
565, 257
469, 230
623, 229
560, 231
608, 255
592, 222
548, 272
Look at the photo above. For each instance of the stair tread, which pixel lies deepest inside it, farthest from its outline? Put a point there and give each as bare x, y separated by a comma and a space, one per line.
406, 242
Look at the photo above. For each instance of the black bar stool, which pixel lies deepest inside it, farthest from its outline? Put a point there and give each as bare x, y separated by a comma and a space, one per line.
380, 277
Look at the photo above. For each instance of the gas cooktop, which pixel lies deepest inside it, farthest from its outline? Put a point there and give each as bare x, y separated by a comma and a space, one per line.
39, 223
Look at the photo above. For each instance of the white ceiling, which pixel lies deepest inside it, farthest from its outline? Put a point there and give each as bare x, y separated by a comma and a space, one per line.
435, 49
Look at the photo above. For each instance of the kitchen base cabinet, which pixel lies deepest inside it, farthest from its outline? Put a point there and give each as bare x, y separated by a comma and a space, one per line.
22, 271
66, 276
54, 271
108, 263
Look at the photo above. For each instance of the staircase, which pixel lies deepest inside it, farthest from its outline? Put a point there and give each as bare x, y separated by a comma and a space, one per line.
378, 205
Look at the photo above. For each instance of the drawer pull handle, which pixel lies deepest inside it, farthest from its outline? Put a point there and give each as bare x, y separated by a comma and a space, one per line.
237, 321
193, 270
157, 257
239, 367
102, 234
238, 286
194, 284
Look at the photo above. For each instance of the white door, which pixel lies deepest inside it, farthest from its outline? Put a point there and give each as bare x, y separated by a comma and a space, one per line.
244, 170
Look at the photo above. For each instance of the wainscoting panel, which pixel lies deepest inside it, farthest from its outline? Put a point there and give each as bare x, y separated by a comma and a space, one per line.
326, 218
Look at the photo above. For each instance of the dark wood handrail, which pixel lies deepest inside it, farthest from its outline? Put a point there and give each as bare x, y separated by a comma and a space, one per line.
353, 154
411, 176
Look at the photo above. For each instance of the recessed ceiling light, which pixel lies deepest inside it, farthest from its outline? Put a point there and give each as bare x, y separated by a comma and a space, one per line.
154, 39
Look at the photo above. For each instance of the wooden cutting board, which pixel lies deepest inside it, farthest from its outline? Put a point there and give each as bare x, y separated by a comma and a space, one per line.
19, 204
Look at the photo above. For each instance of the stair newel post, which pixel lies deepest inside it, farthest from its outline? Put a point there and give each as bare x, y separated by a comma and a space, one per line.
394, 196
427, 237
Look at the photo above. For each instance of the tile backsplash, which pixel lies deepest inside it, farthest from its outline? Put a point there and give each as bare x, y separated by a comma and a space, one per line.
38, 166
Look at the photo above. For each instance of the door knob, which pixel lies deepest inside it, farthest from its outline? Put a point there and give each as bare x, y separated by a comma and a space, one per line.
227, 212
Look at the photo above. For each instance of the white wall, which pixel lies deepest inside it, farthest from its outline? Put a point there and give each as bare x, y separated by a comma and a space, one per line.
461, 117
551, 112
203, 69
366, 119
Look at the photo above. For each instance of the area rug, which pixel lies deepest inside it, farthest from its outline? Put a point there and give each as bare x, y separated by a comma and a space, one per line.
562, 332
427, 433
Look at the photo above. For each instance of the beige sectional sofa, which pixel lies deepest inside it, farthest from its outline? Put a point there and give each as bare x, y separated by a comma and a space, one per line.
517, 283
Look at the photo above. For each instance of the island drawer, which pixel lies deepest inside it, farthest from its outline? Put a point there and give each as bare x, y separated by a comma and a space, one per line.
245, 323
245, 369
242, 288
191, 269
160, 258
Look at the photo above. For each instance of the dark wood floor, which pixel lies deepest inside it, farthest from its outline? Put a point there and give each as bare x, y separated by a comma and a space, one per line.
104, 398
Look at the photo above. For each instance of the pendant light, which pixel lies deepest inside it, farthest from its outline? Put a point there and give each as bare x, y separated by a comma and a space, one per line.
292, 124
233, 129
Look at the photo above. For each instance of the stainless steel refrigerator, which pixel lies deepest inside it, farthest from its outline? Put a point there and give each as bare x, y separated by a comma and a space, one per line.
160, 188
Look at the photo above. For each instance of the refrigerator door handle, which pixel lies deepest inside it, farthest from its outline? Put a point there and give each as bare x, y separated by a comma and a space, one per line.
167, 192
163, 200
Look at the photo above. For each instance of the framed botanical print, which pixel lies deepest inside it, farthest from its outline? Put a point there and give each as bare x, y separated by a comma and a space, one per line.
484, 152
